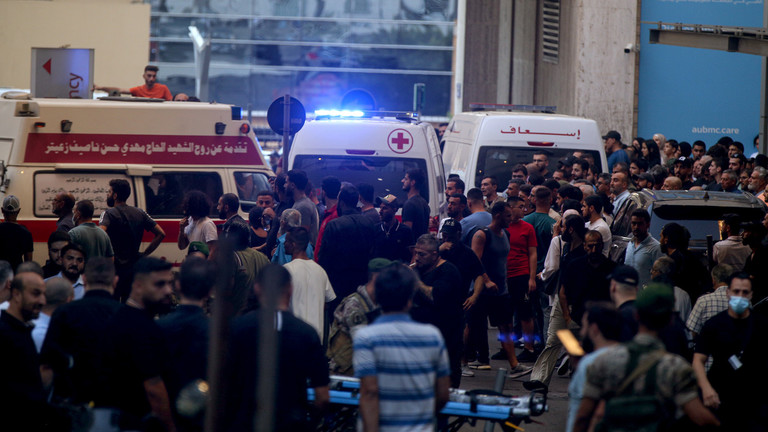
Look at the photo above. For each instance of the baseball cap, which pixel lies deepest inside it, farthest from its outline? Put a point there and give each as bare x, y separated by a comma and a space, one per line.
198, 246
451, 226
646, 176
568, 161
375, 265
624, 274
655, 299
389, 200
11, 204
684, 161
612, 134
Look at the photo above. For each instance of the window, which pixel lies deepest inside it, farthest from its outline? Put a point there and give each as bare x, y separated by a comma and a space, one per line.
249, 184
165, 191
90, 186
550, 31
498, 161
383, 173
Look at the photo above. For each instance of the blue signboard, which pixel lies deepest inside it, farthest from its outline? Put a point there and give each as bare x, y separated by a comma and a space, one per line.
695, 94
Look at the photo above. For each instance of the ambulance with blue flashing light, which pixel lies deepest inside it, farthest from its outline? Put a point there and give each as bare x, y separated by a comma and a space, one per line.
374, 147
494, 138
163, 149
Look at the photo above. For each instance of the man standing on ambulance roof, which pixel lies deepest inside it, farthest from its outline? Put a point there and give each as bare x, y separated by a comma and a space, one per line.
150, 89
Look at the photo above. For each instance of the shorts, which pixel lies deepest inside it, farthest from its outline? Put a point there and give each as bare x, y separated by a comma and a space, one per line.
519, 302
495, 308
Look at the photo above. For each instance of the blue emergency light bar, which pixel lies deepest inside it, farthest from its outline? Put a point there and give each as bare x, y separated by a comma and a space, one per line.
334, 113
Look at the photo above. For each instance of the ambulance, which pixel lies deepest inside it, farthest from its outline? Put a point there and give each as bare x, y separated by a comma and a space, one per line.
495, 138
163, 149
373, 147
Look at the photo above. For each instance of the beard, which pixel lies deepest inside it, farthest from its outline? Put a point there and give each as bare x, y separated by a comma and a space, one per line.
71, 273
222, 215
110, 201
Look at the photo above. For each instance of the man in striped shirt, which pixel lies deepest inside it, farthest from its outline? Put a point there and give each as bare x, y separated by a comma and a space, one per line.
402, 365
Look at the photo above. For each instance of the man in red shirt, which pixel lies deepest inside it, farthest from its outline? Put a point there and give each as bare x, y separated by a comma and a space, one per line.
150, 89
521, 269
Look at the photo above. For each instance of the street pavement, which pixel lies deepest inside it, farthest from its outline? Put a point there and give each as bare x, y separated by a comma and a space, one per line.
557, 398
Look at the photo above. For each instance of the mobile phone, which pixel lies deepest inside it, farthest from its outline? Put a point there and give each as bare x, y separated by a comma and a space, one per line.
570, 343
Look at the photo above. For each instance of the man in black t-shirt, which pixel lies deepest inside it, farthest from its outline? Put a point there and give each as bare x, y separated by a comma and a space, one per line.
300, 362
15, 240
393, 238
735, 340
77, 331
125, 226
439, 299
585, 279
134, 356
416, 208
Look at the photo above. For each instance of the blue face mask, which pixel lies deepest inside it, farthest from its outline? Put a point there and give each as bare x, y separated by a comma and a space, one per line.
738, 304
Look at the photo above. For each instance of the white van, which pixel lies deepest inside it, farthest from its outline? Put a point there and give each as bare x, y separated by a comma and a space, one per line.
164, 149
373, 150
482, 143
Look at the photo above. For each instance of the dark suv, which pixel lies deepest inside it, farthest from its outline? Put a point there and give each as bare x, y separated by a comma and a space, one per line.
699, 211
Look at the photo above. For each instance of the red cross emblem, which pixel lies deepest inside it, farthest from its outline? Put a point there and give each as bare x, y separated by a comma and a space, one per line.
400, 141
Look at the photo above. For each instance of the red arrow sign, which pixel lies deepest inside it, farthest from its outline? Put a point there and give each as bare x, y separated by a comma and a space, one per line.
47, 66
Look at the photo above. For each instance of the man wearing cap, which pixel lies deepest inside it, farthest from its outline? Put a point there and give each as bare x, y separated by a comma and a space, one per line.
614, 149
644, 181
15, 240
650, 371
684, 171
393, 239
735, 338
471, 269
356, 311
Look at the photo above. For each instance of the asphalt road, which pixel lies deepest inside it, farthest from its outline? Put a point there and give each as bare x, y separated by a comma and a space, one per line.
553, 420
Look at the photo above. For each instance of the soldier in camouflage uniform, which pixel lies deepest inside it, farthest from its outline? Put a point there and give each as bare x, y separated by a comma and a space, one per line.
355, 312
622, 374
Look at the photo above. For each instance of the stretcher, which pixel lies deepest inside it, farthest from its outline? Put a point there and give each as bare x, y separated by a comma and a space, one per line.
463, 407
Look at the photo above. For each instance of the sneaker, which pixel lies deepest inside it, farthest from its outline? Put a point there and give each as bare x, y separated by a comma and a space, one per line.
527, 356
520, 371
565, 366
501, 355
534, 385
479, 366
467, 372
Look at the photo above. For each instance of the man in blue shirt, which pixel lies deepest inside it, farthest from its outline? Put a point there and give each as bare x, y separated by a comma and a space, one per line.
643, 250
402, 365
614, 149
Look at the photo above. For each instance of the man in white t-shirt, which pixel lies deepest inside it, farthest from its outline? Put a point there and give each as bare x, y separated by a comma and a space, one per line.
311, 287
592, 209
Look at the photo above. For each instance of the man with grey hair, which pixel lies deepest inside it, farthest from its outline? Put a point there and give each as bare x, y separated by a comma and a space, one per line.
758, 181
289, 219
439, 299
729, 181
713, 303
58, 291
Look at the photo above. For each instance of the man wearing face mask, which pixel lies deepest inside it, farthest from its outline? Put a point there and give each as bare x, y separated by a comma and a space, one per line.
735, 340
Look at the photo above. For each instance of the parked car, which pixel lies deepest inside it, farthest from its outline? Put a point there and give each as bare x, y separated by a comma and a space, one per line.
701, 212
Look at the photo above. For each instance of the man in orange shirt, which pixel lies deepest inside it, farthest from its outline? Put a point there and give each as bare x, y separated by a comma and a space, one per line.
150, 89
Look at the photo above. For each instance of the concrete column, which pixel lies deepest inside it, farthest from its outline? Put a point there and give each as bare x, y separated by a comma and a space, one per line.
524, 51
504, 62
482, 52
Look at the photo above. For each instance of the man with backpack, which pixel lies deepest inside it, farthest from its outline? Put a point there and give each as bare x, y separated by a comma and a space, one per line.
641, 383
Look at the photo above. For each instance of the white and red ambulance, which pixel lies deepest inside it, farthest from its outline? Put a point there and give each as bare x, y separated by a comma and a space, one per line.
164, 150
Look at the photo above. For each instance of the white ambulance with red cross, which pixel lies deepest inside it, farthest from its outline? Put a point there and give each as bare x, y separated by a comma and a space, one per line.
371, 147
163, 149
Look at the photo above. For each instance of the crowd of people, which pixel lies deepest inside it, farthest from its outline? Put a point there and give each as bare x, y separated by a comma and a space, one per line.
361, 292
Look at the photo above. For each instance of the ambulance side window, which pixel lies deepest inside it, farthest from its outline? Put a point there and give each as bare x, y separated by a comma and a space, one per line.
165, 191
249, 184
